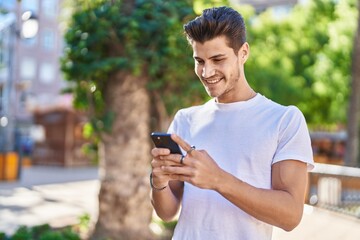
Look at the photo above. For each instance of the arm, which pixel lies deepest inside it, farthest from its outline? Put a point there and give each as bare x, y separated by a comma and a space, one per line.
281, 206
167, 202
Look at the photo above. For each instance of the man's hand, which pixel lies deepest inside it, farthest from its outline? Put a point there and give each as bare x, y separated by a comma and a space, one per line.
198, 168
162, 158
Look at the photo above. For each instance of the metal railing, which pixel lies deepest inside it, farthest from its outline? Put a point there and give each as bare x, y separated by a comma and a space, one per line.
335, 187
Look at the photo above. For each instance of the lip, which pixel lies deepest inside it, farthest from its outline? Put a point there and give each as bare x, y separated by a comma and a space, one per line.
213, 81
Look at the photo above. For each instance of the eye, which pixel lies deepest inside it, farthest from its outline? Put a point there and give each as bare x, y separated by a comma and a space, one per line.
218, 60
198, 61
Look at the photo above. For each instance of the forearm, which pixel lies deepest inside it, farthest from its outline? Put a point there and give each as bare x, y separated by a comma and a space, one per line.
276, 207
167, 202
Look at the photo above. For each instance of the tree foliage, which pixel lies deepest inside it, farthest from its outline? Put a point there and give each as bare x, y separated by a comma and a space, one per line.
304, 58
143, 38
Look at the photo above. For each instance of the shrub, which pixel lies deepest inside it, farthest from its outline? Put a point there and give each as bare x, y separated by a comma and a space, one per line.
42, 232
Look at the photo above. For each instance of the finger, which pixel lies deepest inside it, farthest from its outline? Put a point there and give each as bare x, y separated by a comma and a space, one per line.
175, 170
173, 159
182, 157
159, 164
184, 145
190, 150
180, 177
160, 152
167, 160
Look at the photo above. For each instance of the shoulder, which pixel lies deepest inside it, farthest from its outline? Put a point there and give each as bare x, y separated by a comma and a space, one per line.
183, 119
292, 114
280, 111
190, 111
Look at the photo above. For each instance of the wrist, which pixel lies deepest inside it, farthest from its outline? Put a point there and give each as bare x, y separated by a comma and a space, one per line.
220, 181
153, 187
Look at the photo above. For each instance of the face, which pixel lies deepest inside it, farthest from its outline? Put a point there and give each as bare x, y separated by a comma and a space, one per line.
220, 70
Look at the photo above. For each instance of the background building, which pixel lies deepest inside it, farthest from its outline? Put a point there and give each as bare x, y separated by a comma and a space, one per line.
36, 80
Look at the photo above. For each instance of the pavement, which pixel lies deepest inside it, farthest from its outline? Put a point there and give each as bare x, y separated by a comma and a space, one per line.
54, 195
59, 196
321, 224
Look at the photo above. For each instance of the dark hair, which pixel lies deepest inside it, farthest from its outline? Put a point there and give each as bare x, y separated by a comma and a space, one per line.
215, 22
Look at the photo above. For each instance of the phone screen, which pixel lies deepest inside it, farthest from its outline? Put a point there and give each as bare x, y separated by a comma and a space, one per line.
163, 140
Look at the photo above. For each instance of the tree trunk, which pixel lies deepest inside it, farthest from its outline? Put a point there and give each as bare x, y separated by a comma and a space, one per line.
124, 204
352, 144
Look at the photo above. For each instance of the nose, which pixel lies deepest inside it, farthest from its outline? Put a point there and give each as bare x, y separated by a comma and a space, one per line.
208, 71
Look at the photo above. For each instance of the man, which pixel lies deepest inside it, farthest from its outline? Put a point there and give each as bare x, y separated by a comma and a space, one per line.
248, 170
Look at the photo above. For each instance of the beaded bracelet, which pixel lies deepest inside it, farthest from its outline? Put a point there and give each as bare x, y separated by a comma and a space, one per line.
152, 185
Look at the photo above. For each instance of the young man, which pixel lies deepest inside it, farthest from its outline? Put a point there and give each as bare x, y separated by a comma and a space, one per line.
249, 168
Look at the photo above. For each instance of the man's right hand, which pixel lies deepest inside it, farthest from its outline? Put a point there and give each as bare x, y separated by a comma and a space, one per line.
162, 158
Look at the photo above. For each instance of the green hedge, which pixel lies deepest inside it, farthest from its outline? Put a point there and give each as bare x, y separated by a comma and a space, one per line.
42, 232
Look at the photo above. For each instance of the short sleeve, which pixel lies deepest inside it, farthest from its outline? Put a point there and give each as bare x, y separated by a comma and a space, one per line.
294, 139
178, 124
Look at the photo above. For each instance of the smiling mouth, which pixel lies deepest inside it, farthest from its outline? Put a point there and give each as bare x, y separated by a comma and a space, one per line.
213, 81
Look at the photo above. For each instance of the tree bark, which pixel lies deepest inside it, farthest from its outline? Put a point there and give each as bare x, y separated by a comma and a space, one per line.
124, 204
352, 144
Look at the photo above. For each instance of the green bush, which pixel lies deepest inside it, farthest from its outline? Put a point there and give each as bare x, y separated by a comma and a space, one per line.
23, 233
69, 234
42, 232
37, 231
2, 236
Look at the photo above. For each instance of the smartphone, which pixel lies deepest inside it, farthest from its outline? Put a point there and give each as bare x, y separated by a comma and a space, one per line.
163, 140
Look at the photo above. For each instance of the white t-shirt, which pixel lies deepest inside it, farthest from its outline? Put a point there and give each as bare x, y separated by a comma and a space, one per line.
245, 139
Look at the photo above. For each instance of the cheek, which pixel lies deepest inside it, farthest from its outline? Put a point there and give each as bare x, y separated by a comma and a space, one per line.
223, 68
231, 72
198, 70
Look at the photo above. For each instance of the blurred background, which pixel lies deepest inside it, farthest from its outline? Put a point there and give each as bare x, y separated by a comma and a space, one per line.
83, 83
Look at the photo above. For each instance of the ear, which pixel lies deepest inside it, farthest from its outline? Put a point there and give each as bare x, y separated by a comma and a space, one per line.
244, 52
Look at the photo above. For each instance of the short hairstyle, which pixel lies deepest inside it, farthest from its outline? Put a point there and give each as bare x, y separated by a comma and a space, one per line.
216, 22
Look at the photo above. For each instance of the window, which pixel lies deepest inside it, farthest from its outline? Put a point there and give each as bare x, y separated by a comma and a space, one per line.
3, 57
5, 46
4, 74
47, 73
48, 39
30, 5
29, 42
28, 68
49, 8
8, 4
1, 99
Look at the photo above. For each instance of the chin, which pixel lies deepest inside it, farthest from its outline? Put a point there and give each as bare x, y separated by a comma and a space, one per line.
211, 94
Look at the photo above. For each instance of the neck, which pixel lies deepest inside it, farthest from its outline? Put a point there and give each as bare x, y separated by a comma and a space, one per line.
252, 94
243, 97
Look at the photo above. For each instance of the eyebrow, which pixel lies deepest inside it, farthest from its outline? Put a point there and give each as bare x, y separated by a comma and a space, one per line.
212, 57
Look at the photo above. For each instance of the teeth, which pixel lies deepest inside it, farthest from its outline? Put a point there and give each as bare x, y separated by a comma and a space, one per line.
213, 81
